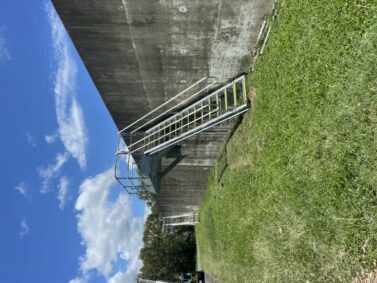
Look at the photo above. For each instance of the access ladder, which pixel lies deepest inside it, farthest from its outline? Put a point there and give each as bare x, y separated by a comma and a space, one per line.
181, 220
217, 107
146, 141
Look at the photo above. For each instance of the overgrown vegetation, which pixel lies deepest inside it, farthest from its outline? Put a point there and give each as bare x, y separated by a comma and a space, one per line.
166, 253
297, 201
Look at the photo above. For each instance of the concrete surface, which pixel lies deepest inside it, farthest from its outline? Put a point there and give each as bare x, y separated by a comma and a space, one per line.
140, 53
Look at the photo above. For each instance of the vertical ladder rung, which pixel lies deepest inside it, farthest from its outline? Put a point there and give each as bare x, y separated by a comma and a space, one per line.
235, 94
149, 140
159, 135
181, 123
195, 116
202, 113
226, 99
209, 108
244, 90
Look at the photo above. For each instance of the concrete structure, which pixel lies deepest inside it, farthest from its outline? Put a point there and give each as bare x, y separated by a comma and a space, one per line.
140, 53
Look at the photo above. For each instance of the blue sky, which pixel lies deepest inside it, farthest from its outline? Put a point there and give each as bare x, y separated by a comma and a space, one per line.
64, 218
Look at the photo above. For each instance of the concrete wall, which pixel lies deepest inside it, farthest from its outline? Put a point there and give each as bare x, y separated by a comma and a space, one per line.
140, 53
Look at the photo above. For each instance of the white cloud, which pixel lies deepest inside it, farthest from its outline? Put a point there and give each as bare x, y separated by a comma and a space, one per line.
51, 171
24, 229
22, 189
121, 277
71, 126
30, 139
4, 53
78, 280
63, 191
147, 211
109, 230
51, 138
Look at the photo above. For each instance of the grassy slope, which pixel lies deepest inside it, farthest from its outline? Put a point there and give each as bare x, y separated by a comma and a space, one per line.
298, 198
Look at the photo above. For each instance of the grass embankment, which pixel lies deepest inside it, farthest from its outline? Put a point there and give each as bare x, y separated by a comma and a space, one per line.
298, 198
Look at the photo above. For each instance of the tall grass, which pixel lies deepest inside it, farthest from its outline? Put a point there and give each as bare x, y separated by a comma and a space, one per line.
298, 198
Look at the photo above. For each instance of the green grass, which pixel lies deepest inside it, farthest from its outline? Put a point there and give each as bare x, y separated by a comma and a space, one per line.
297, 200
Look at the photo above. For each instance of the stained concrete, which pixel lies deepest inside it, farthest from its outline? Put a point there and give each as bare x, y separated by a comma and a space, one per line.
140, 53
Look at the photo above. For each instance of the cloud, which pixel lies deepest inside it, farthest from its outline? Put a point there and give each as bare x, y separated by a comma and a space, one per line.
51, 138
24, 229
63, 191
71, 126
4, 53
121, 277
79, 280
22, 189
147, 211
110, 232
30, 139
51, 171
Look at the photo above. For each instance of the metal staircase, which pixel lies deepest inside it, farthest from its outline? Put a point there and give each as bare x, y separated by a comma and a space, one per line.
215, 108
181, 220
147, 141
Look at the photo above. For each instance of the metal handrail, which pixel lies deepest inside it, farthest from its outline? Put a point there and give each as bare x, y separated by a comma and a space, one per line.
202, 100
237, 111
153, 133
134, 150
174, 107
162, 105
196, 104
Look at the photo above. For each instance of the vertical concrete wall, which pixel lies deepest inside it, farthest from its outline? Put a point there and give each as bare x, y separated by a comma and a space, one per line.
140, 53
